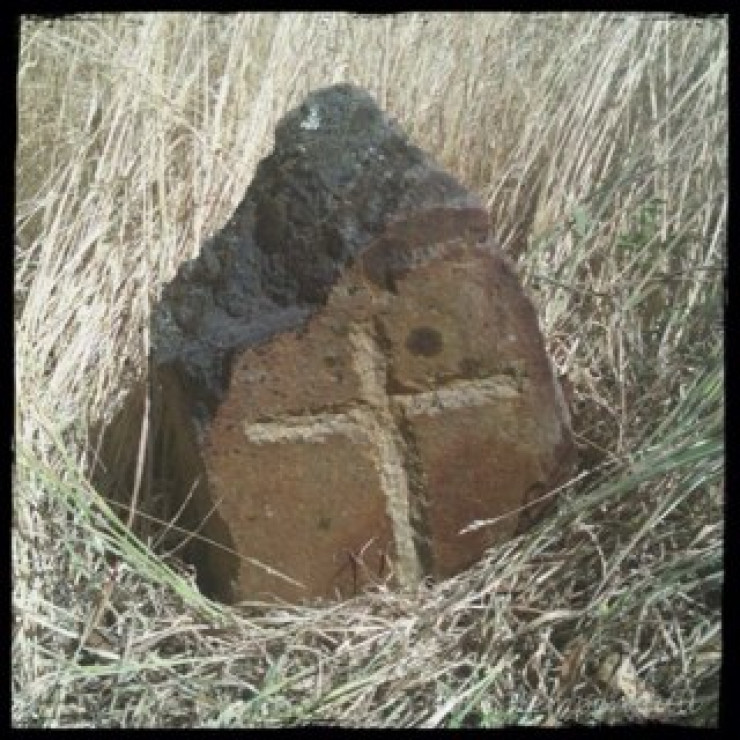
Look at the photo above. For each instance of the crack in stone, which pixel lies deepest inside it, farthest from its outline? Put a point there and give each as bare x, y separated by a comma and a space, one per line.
458, 394
418, 501
370, 364
310, 428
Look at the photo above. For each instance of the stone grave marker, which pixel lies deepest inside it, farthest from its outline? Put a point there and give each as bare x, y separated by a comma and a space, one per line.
349, 374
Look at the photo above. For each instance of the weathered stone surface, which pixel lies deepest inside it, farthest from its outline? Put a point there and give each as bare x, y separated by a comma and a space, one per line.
339, 173
350, 374
390, 422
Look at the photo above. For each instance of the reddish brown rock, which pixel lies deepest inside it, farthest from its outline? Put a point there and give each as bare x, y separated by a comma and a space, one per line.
347, 378
357, 449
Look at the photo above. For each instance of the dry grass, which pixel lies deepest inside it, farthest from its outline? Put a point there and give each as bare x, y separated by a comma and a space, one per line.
600, 144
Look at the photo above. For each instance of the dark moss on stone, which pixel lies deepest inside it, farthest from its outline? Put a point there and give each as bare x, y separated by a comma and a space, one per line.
340, 172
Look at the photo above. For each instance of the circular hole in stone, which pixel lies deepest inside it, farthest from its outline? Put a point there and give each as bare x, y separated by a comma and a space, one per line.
424, 341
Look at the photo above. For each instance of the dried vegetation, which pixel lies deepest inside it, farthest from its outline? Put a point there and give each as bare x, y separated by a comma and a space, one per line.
600, 145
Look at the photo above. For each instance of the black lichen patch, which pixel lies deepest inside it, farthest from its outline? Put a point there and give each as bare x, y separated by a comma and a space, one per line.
340, 173
424, 341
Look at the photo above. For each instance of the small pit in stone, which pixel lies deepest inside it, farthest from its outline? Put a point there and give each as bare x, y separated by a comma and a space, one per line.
424, 341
